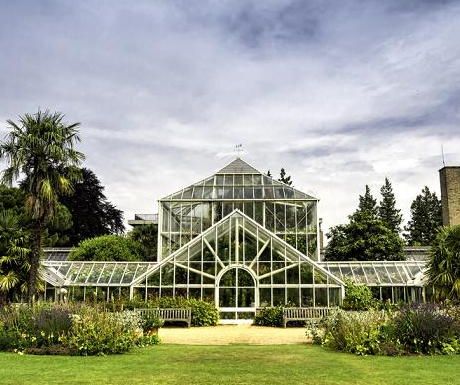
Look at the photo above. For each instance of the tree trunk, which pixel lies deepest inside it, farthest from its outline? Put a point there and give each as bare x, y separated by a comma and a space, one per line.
35, 257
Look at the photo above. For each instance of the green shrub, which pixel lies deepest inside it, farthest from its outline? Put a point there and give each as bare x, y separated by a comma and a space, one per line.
70, 329
151, 322
353, 332
107, 248
95, 333
426, 329
358, 297
269, 316
417, 328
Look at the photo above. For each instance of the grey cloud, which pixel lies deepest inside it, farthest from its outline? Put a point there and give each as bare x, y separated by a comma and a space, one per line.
336, 92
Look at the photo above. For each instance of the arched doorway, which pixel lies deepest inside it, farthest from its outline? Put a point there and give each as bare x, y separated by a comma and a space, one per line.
236, 293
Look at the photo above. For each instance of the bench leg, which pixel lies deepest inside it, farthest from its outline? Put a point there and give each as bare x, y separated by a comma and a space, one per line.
284, 322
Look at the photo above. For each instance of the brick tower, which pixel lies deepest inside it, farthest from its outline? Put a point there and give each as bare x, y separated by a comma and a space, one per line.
450, 195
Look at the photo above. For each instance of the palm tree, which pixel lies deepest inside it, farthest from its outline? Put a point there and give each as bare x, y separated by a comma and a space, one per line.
444, 265
40, 147
14, 265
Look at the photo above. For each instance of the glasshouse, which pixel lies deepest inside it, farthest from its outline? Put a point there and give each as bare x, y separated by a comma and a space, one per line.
243, 240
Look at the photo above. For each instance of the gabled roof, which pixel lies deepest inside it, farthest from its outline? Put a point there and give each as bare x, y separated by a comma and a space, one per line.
238, 181
238, 166
291, 255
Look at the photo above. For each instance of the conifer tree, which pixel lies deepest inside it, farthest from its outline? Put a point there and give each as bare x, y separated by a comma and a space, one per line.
388, 212
366, 237
367, 205
426, 219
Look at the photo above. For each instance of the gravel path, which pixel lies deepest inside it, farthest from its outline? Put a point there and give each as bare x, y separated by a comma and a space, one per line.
233, 334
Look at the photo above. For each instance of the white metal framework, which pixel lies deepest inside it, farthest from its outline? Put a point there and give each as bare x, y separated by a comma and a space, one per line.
242, 240
281, 209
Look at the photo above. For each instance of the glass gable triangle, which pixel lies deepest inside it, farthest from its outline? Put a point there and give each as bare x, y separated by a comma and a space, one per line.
240, 264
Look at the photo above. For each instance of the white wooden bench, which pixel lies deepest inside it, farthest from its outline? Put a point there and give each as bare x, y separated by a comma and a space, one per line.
173, 314
304, 313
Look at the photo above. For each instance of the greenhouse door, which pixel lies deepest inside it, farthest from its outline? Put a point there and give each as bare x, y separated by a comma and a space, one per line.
236, 294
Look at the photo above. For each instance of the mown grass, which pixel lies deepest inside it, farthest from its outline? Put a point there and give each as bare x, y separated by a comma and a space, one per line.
283, 364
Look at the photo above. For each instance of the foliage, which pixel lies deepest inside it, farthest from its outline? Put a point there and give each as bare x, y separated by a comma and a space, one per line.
367, 205
444, 264
358, 297
12, 198
364, 239
54, 234
353, 332
70, 329
203, 313
92, 214
426, 218
425, 329
285, 179
24, 327
415, 328
387, 211
269, 316
147, 236
41, 147
107, 248
94, 332
151, 322
14, 251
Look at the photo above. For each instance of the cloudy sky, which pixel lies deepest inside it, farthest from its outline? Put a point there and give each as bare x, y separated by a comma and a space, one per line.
340, 93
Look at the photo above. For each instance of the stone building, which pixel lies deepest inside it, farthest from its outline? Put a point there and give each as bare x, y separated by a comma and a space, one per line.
450, 195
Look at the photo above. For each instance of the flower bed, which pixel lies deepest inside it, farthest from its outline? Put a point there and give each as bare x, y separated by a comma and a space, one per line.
71, 329
414, 329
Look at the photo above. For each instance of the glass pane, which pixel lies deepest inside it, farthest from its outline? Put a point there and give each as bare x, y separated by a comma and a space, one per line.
307, 297
246, 297
321, 297
279, 296
247, 180
227, 297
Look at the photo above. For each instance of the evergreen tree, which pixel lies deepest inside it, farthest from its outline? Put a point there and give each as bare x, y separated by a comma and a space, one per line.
388, 213
367, 205
426, 219
285, 179
366, 237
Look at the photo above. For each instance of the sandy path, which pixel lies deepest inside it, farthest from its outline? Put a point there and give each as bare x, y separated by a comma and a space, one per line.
232, 334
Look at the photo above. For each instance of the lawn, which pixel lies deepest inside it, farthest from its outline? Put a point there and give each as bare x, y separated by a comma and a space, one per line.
235, 364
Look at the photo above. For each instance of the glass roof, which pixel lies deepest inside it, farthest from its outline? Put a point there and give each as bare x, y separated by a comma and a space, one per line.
238, 181
118, 274
75, 273
377, 273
